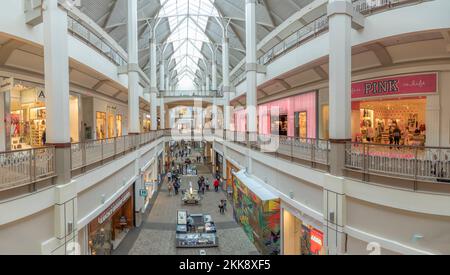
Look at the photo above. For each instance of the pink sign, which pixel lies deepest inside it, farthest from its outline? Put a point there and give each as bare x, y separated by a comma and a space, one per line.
396, 85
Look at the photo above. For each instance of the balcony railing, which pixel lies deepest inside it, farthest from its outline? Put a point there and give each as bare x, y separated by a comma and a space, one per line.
191, 93
430, 164
26, 167
318, 27
92, 153
307, 150
95, 41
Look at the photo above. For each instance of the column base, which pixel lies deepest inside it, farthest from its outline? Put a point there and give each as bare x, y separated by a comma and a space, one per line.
337, 156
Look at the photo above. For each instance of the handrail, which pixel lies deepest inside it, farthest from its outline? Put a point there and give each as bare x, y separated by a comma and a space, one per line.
191, 93
431, 164
314, 151
26, 167
317, 27
79, 30
94, 152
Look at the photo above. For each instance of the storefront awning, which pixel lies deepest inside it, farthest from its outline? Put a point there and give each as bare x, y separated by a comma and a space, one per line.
256, 186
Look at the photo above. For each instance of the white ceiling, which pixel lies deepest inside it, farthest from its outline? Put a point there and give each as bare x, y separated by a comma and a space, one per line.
188, 26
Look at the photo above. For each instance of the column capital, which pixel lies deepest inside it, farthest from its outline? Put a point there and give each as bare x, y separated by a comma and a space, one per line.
251, 67
340, 7
133, 67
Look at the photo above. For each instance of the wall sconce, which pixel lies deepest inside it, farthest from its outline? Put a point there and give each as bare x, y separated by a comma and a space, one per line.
417, 237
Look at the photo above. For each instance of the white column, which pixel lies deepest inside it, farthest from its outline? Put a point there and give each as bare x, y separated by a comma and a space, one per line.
340, 21
167, 82
133, 66
208, 82
154, 110
153, 86
162, 109
340, 14
214, 72
162, 75
226, 81
56, 59
433, 121
251, 66
56, 68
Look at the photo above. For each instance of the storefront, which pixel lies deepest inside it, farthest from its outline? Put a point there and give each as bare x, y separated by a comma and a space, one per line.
294, 116
110, 228
150, 179
109, 118
392, 110
257, 210
26, 116
231, 169
146, 122
299, 237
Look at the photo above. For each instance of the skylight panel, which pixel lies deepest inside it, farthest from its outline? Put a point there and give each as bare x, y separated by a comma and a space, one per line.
189, 35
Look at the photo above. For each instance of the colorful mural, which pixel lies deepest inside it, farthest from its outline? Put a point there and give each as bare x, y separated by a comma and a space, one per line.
260, 219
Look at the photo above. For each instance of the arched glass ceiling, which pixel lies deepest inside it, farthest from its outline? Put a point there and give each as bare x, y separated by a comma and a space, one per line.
187, 20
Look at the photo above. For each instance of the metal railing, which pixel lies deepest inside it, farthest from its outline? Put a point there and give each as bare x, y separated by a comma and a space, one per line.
25, 167
313, 151
406, 162
318, 27
191, 93
80, 31
85, 154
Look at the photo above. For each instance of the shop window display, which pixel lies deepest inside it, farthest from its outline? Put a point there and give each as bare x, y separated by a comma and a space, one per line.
110, 228
111, 126
400, 122
119, 125
301, 125
28, 117
297, 116
101, 125
279, 125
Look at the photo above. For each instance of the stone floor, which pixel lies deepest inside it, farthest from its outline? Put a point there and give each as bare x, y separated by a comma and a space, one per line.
157, 234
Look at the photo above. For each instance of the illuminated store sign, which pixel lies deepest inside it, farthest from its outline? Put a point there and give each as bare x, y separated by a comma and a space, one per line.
394, 86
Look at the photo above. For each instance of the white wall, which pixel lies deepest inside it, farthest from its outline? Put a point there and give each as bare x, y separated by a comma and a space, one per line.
25, 236
2, 123
444, 88
400, 226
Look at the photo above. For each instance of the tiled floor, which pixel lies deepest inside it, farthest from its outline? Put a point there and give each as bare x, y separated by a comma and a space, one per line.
157, 234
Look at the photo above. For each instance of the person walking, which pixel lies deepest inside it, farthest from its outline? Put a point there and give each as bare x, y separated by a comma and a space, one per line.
203, 188
170, 188
176, 186
397, 135
221, 208
216, 185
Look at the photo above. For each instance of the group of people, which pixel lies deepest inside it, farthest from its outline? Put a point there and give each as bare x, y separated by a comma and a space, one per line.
173, 183
203, 184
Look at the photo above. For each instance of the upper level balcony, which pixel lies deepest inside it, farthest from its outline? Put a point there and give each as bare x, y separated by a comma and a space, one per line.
313, 30
27, 171
191, 93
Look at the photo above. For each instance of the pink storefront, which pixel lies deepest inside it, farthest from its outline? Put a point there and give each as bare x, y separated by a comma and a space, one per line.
294, 116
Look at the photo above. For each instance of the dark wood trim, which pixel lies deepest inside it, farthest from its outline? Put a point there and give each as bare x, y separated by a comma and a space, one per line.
59, 145
340, 141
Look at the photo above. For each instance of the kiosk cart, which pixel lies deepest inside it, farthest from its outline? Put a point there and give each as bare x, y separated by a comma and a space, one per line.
195, 231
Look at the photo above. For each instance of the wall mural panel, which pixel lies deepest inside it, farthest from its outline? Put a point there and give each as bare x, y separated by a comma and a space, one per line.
260, 219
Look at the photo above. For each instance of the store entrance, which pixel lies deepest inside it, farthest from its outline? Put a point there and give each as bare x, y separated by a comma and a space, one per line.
400, 121
279, 125
301, 125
